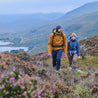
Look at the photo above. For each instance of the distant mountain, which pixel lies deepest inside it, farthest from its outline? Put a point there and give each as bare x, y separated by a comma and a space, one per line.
18, 22
85, 9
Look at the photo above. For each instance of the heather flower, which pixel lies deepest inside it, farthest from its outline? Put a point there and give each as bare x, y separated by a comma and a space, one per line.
11, 73
14, 69
39, 93
22, 82
27, 75
12, 79
1, 88
39, 96
7, 73
15, 84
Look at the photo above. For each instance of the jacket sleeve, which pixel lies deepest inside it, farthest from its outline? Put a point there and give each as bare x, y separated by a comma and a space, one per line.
49, 43
78, 48
65, 44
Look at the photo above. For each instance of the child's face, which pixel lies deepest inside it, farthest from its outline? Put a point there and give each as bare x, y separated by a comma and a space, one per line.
73, 38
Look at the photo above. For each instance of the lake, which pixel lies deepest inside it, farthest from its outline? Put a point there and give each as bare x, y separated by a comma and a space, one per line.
6, 43
4, 48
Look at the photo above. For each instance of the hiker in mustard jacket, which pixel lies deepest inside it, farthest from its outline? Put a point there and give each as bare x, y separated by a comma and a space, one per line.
73, 51
58, 42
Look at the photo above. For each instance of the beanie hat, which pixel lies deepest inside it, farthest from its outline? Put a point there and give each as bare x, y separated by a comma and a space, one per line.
73, 34
58, 27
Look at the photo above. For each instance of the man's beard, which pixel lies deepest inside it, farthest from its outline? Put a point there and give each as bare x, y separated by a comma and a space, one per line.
59, 31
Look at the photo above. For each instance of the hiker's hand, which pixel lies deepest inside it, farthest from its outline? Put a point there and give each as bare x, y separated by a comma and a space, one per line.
79, 57
49, 55
65, 55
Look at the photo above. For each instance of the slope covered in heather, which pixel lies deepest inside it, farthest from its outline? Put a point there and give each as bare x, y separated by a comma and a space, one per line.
22, 75
90, 45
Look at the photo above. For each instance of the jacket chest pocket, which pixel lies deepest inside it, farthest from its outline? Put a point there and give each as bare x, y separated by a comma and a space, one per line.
58, 40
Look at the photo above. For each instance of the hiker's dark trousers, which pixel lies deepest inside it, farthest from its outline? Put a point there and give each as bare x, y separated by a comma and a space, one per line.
56, 56
72, 60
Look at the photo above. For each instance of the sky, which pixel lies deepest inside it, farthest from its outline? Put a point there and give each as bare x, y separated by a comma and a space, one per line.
39, 6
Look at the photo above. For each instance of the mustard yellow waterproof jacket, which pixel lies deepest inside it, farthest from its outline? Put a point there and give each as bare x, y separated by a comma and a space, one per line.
58, 40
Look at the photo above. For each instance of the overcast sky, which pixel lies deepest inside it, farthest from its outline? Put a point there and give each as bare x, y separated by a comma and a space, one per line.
39, 6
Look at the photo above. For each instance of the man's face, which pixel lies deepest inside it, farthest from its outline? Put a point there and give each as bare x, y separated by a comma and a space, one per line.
60, 30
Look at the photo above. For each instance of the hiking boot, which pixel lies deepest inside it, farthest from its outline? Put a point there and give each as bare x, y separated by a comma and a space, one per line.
70, 65
57, 71
74, 67
54, 67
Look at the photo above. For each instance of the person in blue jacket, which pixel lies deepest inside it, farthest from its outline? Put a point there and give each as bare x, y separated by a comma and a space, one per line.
73, 51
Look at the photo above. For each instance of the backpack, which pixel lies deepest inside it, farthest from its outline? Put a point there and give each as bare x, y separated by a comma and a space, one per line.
75, 45
72, 51
62, 35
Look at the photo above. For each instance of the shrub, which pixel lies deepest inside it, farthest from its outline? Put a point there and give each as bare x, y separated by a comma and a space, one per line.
62, 89
41, 71
24, 56
84, 93
15, 85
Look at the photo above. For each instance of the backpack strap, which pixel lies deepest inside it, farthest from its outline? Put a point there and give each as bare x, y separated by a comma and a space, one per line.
77, 43
62, 35
53, 38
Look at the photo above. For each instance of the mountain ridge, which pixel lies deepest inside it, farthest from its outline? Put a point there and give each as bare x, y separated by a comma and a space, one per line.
84, 9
